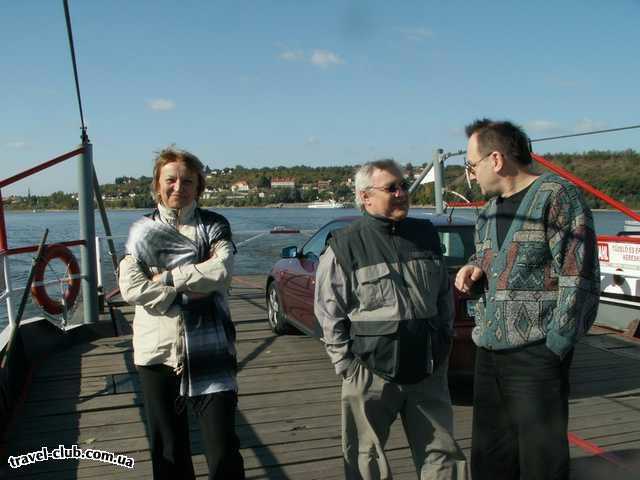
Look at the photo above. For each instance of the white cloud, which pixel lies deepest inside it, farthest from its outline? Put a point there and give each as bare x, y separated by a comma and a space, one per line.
161, 104
16, 144
543, 127
417, 34
324, 58
291, 55
319, 58
312, 140
587, 125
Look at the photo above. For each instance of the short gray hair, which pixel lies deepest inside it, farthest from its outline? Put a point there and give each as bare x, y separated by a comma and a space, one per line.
365, 172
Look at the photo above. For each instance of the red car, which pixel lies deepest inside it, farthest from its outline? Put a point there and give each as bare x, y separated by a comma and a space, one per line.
292, 280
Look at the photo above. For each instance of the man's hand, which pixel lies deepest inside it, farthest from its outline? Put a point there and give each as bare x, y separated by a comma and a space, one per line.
467, 276
157, 278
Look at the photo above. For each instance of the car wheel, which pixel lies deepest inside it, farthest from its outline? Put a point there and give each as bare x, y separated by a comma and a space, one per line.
277, 319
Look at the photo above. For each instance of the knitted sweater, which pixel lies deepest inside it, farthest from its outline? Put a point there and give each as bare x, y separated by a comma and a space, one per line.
544, 281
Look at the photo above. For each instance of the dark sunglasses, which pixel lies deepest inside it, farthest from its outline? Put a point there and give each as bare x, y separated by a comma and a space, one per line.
394, 188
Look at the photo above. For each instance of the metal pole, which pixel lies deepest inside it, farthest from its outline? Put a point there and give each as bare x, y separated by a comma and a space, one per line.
9, 289
4, 245
98, 262
99, 272
438, 183
87, 235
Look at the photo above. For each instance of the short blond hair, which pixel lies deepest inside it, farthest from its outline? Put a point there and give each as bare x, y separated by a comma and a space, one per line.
172, 154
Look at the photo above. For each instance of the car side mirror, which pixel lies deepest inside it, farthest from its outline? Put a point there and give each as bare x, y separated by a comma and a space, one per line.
289, 252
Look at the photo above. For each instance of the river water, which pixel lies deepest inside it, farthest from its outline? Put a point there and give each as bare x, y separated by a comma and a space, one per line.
254, 257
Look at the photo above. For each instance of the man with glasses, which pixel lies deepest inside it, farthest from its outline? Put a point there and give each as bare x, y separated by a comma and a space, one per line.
384, 301
537, 263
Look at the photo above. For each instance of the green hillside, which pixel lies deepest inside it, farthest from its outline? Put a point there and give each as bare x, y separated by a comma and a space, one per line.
615, 173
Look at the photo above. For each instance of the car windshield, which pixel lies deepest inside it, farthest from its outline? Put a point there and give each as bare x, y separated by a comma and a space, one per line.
315, 245
457, 244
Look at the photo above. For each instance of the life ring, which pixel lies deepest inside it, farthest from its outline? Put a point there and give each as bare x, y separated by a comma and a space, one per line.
39, 292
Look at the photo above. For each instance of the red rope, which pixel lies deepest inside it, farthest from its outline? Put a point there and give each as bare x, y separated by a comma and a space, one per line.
587, 187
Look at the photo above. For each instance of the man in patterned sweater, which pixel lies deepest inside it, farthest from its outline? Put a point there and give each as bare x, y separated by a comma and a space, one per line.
536, 260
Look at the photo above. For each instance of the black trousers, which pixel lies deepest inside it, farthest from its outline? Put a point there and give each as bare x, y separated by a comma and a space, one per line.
169, 430
520, 414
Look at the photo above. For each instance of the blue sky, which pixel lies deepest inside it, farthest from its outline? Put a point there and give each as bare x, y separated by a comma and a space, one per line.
267, 83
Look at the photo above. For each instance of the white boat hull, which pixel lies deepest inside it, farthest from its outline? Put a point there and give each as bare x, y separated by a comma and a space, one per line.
329, 204
620, 282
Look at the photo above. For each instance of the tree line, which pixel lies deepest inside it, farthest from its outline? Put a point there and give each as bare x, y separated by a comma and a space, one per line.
616, 173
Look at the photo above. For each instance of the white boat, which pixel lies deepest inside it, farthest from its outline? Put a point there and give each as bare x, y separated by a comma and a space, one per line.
326, 204
620, 279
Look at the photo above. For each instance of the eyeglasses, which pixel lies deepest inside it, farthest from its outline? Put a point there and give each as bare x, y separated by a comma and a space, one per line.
470, 168
394, 188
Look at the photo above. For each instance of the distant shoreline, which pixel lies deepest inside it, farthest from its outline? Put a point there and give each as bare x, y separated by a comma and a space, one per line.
286, 205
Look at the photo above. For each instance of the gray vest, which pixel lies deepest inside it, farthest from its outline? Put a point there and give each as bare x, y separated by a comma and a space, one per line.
397, 274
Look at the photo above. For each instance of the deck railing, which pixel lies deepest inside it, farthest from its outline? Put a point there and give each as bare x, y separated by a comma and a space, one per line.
88, 268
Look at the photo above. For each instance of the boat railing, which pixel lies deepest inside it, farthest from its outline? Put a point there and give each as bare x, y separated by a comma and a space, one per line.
99, 269
8, 287
88, 265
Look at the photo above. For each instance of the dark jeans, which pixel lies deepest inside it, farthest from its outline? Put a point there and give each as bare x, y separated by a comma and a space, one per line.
169, 430
520, 414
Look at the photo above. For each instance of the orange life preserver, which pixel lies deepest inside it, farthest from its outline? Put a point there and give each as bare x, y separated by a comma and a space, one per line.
38, 291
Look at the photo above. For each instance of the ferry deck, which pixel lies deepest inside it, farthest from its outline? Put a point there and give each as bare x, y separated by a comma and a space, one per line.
289, 416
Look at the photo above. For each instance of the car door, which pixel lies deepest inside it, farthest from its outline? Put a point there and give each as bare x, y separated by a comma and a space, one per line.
457, 243
309, 263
